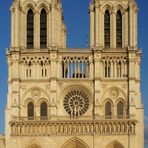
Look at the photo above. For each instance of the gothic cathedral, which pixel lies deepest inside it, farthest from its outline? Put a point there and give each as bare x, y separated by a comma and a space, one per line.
73, 98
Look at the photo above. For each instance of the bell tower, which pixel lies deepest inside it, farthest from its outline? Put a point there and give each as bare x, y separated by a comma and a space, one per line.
37, 25
113, 39
113, 24
38, 33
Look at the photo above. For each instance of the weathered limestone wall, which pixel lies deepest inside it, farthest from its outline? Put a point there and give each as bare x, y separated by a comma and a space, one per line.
2, 141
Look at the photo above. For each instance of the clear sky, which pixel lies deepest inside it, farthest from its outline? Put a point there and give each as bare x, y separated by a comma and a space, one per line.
77, 21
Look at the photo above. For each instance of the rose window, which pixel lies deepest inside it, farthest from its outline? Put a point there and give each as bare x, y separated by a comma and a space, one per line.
76, 103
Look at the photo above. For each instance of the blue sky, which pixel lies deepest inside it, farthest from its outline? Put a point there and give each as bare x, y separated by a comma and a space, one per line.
77, 21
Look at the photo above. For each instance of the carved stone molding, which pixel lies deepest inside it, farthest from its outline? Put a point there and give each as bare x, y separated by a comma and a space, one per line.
35, 93
104, 86
23, 87
114, 93
124, 86
61, 85
47, 87
30, 60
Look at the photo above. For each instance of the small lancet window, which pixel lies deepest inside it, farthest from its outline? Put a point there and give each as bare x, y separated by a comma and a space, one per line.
30, 29
119, 70
43, 29
43, 110
107, 29
120, 109
107, 70
108, 111
30, 111
119, 29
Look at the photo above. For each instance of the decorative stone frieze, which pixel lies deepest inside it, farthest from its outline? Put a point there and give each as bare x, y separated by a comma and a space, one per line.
73, 127
31, 60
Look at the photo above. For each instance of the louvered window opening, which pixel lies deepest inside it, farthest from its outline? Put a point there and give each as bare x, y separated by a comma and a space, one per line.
30, 29
119, 29
107, 29
43, 29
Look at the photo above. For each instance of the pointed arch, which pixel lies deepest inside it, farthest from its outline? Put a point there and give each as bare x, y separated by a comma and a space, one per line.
107, 94
43, 28
43, 4
119, 29
120, 6
30, 29
107, 29
29, 100
107, 6
26, 5
115, 144
33, 144
27, 95
42, 100
75, 143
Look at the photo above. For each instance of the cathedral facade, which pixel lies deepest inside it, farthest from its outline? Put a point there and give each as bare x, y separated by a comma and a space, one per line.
73, 98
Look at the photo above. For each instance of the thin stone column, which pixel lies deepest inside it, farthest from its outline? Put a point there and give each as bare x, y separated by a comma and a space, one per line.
92, 19
37, 30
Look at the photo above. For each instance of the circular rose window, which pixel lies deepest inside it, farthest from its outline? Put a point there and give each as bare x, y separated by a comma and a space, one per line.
76, 103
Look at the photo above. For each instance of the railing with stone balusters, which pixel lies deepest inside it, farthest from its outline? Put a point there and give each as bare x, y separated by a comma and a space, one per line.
75, 67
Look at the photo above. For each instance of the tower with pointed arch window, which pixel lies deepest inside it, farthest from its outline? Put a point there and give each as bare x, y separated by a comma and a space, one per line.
73, 98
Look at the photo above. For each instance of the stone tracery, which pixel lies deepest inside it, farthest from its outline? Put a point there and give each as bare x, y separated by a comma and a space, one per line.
75, 143
31, 60
34, 145
76, 103
115, 144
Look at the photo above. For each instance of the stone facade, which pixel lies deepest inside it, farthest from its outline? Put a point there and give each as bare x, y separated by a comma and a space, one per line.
73, 98
2, 141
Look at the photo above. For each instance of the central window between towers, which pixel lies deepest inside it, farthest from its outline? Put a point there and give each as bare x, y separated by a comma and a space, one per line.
76, 103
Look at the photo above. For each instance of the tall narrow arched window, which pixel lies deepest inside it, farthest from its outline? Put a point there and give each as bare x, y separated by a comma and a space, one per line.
30, 111
120, 109
30, 29
107, 29
43, 110
108, 110
119, 69
107, 69
119, 29
43, 29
